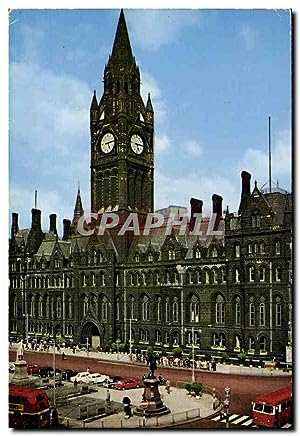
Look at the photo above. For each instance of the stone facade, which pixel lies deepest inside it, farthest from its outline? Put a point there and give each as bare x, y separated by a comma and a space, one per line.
228, 291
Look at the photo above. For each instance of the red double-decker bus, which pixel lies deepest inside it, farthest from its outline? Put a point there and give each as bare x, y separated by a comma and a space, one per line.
273, 409
28, 408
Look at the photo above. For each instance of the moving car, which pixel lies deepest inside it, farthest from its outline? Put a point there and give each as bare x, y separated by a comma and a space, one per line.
68, 373
111, 381
96, 378
128, 383
32, 369
81, 377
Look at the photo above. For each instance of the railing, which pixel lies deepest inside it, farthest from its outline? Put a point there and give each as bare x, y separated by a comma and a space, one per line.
137, 422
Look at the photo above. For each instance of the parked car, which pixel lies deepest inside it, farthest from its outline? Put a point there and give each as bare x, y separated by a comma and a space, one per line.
11, 367
111, 381
128, 383
68, 373
81, 377
96, 378
32, 369
46, 371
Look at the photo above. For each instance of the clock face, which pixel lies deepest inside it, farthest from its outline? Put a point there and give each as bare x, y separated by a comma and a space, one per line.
137, 144
107, 142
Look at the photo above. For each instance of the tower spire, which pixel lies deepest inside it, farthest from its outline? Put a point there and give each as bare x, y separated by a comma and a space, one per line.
121, 49
78, 210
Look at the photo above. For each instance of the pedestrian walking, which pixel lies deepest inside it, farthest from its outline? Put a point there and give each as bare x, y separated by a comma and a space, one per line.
168, 384
63, 356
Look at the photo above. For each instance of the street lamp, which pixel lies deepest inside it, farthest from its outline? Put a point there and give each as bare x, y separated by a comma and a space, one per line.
193, 351
130, 345
54, 391
87, 346
118, 341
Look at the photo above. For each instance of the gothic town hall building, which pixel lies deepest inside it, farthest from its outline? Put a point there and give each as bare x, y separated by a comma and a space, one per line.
221, 294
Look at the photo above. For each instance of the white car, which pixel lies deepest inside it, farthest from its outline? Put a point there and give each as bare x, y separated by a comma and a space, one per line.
97, 378
81, 377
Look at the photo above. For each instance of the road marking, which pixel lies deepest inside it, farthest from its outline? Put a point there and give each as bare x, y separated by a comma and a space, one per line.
249, 422
233, 417
243, 418
216, 418
287, 425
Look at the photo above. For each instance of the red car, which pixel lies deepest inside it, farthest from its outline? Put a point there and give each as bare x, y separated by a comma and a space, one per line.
128, 383
32, 369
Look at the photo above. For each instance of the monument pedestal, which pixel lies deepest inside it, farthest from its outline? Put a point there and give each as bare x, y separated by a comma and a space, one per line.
21, 377
151, 404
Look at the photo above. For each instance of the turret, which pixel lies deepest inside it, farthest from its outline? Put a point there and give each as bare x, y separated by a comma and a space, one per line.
149, 110
14, 225
94, 110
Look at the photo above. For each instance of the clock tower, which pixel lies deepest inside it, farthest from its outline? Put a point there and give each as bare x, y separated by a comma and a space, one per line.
121, 126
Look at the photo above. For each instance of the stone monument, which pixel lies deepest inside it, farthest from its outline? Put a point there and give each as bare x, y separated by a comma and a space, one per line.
151, 404
21, 377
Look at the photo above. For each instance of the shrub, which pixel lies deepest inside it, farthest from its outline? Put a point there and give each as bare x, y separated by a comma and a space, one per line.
150, 351
177, 352
194, 387
242, 356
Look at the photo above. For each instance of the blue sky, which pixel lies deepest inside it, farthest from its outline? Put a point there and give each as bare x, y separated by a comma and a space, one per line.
214, 76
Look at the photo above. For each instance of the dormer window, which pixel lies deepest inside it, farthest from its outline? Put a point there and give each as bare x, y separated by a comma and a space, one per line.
197, 253
214, 252
137, 258
150, 257
277, 247
256, 219
171, 254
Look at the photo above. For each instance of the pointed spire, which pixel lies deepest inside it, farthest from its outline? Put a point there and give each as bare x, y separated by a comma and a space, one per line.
149, 107
78, 210
121, 48
94, 104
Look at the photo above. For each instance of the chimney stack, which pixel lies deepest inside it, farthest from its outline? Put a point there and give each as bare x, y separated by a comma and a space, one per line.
67, 229
14, 225
217, 209
246, 188
52, 228
36, 219
196, 207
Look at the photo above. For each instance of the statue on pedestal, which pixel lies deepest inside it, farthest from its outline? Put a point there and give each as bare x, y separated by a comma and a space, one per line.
151, 362
20, 351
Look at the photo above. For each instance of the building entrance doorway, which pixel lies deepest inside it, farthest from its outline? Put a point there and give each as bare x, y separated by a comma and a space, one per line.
90, 335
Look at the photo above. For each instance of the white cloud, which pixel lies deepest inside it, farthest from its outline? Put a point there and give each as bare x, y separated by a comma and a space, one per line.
249, 36
256, 161
153, 28
162, 144
149, 84
179, 190
191, 148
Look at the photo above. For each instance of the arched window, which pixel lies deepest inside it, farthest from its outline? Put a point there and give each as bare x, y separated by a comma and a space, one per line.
70, 308
190, 276
251, 343
175, 339
262, 248
220, 310
278, 312
250, 248
237, 275
104, 309
206, 276
215, 340
167, 310
158, 337
132, 307
256, 219
32, 307
251, 274
15, 306
237, 250
102, 278
222, 340
58, 308
40, 307
118, 309
147, 335
85, 305
251, 314
262, 274
145, 309
198, 276
194, 309
159, 309
167, 338
262, 314
93, 281
278, 274
142, 335
175, 310
214, 276
83, 280
214, 252
262, 343
47, 306
238, 311
277, 247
